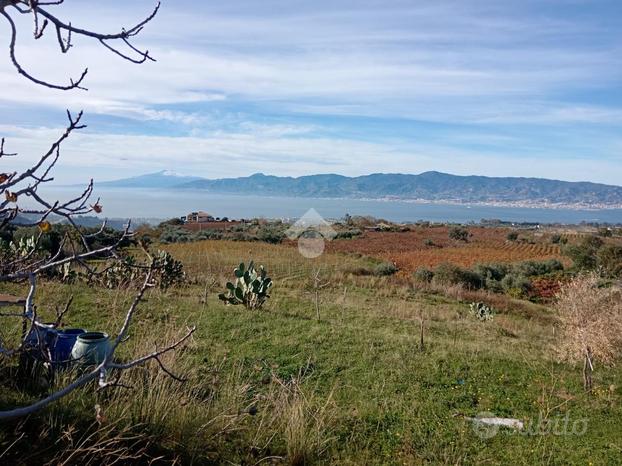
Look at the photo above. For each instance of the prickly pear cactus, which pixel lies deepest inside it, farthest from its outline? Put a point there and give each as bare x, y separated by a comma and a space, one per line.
251, 287
481, 311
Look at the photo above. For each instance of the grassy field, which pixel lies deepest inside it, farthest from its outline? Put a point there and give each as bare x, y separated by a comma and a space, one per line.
279, 386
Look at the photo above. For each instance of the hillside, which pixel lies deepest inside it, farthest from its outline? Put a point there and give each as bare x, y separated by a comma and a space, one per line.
428, 186
161, 179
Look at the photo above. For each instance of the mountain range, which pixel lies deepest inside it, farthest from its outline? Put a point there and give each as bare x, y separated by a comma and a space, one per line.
428, 186
162, 179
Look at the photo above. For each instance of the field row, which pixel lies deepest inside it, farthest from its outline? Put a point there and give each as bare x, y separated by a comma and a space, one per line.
466, 257
429, 247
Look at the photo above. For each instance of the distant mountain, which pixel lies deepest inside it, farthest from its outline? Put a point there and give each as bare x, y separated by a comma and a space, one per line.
161, 179
428, 186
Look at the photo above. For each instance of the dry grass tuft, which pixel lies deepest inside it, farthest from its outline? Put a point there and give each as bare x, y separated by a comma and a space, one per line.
590, 320
305, 422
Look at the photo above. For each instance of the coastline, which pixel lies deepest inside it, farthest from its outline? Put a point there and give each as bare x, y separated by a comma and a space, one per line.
526, 204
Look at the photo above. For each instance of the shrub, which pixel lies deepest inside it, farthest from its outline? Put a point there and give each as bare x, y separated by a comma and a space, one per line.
512, 236
145, 240
556, 238
584, 255
170, 222
175, 235
6, 233
491, 275
359, 271
348, 234
169, 271
609, 260
209, 233
428, 242
517, 286
386, 268
449, 274
592, 242
472, 280
590, 323
492, 271
107, 237
459, 234
534, 268
271, 234
423, 275
605, 232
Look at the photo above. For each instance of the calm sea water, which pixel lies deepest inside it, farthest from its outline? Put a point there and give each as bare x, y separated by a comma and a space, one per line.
150, 203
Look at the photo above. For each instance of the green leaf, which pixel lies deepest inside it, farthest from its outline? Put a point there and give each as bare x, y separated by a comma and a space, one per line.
239, 294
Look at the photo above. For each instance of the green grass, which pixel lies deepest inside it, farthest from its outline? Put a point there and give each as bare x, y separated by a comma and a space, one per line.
355, 384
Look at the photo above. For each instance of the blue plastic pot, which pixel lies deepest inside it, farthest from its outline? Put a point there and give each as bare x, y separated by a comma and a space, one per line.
65, 341
40, 341
90, 348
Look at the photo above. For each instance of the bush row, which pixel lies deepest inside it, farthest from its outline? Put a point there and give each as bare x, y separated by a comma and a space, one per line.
269, 233
514, 279
592, 253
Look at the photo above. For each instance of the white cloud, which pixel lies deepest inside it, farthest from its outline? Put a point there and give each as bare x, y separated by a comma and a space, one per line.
371, 59
497, 66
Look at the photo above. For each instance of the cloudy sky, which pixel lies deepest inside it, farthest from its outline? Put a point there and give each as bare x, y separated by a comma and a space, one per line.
492, 87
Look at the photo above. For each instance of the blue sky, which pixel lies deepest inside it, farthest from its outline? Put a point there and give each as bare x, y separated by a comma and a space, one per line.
498, 88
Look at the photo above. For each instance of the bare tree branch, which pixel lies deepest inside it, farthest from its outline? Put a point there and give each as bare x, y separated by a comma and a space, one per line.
28, 261
34, 8
99, 372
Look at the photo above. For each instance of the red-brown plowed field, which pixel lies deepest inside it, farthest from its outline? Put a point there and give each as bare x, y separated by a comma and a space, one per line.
409, 251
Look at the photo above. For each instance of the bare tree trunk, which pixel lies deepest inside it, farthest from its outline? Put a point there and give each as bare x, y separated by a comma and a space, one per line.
421, 343
205, 296
317, 304
588, 368
317, 287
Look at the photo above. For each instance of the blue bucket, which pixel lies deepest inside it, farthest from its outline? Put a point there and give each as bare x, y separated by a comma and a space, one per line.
40, 341
65, 341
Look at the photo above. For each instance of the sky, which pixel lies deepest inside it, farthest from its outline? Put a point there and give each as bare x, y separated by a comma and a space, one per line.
487, 87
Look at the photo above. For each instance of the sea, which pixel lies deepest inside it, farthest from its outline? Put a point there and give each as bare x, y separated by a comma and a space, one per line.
155, 204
